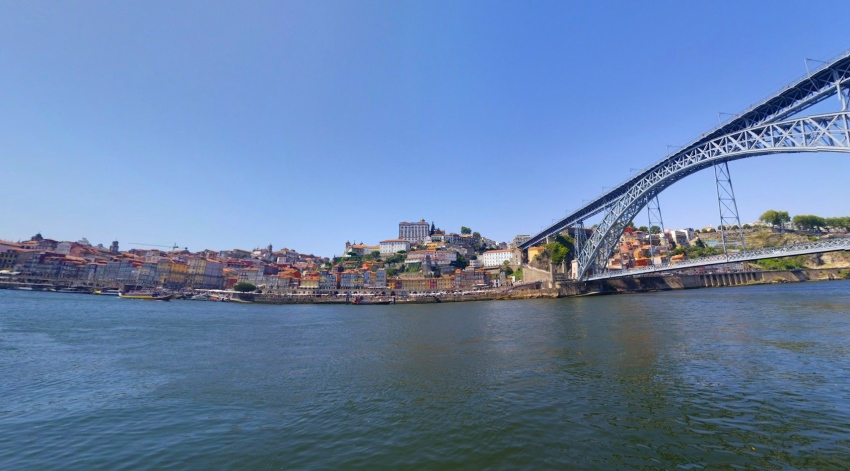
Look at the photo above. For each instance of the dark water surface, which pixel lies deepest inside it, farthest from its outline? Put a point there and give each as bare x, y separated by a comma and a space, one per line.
751, 377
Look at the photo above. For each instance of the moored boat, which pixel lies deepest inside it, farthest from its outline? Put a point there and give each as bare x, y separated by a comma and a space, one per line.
148, 295
361, 300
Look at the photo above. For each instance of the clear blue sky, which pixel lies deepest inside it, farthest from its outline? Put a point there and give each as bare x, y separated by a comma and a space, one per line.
305, 124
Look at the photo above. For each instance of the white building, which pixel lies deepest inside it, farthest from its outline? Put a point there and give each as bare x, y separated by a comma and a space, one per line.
414, 231
494, 258
391, 246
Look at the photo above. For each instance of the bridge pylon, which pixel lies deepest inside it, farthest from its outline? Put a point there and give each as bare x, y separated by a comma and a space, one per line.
653, 212
728, 206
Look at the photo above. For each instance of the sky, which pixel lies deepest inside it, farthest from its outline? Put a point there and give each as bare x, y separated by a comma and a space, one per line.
306, 124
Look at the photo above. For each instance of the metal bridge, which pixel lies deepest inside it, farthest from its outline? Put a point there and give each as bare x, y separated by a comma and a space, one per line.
768, 127
829, 245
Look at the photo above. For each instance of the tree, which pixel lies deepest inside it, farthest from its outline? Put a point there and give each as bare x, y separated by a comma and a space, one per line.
809, 222
245, 287
775, 218
465, 230
506, 267
460, 262
399, 257
376, 254
643, 229
838, 223
559, 249
654, 230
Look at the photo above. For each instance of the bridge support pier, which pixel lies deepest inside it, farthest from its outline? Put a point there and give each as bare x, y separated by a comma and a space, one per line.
727, 204
653, 212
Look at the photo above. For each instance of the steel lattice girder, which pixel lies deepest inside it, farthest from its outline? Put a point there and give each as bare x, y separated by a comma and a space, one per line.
829, 245
828, 132
809, 90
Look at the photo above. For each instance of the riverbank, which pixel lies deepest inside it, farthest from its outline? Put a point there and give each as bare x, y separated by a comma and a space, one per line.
711, 280
449, 298
563, 290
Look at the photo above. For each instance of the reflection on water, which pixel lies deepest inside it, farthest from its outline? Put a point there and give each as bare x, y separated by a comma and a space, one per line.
735, 377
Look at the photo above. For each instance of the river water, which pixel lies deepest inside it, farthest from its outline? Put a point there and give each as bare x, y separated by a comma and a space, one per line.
748, 377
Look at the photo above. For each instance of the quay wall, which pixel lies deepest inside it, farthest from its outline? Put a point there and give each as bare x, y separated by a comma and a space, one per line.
709, 280
531, 274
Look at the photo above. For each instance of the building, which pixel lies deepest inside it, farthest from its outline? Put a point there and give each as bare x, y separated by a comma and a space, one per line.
534, 252
682, 237
171, 274
351, 279
393, 246
204, 273
361, 249
328, 280
414, 232
495, 258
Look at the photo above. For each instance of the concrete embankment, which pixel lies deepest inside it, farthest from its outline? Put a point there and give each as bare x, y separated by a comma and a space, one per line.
713, 280
484, 296
569, 289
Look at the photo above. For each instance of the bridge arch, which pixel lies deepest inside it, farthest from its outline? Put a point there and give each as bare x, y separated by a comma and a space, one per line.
832, 78
821, 133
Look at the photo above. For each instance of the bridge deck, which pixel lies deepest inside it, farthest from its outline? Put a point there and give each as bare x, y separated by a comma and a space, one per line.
829, 245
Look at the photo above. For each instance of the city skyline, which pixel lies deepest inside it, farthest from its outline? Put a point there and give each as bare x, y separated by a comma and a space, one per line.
305, 125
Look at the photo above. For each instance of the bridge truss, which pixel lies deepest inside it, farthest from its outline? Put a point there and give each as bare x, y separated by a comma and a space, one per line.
810, 134
763, 129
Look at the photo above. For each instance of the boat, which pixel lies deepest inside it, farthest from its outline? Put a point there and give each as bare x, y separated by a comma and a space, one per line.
361, 300
148, 295
75, 289
24, 288
109, 292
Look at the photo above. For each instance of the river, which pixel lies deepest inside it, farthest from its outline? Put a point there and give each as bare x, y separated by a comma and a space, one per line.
742, 377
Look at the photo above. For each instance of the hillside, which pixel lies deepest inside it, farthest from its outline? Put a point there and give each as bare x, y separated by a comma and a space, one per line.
765, 238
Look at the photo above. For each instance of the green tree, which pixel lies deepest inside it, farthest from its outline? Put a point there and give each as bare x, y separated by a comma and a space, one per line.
460, 262
465, 230
775, 218
398, 257
654, 230
559, 249
245, 287
839, 223
782, 263
643, 229
809, 222
506, 267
